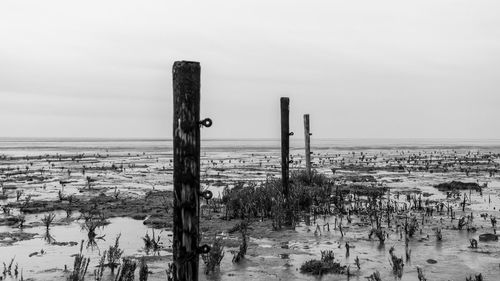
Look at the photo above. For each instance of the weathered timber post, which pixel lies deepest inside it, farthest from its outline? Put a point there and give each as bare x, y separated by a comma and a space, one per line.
186, 150
285, 157
307, 137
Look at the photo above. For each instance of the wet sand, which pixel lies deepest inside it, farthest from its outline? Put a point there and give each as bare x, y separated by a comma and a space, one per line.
131, 184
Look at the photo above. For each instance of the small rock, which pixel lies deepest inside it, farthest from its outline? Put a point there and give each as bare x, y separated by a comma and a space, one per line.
139, 216
488, 237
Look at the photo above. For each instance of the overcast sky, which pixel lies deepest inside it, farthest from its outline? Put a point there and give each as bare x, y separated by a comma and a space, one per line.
363, 69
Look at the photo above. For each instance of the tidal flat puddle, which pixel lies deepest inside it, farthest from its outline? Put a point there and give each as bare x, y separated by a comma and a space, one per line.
42, 260
125, 175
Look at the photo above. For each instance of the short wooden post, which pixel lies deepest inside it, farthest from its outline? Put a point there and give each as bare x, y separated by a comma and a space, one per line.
186, 149
307, 137
285, 157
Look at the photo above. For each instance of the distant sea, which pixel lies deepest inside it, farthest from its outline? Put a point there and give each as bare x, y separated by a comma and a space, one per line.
28, 146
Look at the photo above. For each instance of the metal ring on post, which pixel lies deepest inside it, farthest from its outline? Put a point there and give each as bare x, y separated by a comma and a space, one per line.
207, 122
207, 194
291, 133
205, 249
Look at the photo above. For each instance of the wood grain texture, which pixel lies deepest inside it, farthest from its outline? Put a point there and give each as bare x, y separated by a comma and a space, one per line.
186, 150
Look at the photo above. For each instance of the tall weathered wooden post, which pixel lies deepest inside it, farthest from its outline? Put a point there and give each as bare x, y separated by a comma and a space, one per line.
186, 150
307, 137
285, 157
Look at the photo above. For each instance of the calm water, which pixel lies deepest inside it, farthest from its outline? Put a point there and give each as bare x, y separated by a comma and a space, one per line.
36, 146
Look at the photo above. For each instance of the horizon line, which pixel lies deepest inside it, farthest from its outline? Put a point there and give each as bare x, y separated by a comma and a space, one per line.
105, 139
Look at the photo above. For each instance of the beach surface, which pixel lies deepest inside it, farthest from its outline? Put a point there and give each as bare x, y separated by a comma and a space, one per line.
130, 183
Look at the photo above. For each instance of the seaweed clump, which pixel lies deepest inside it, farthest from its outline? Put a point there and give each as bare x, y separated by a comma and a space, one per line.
213, 258
326, 265
458, 185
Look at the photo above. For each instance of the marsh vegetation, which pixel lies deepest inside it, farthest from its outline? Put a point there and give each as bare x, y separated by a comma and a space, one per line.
367, 213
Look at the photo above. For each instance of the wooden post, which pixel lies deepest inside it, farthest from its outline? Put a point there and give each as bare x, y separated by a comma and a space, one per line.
285, 157
307, 137
186, 84
285, 145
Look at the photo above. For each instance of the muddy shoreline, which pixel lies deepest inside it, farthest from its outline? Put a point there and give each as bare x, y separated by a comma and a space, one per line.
131, 193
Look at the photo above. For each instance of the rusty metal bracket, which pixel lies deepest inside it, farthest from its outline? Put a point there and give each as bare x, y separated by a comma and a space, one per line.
205, 249
207, 194
207, 122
